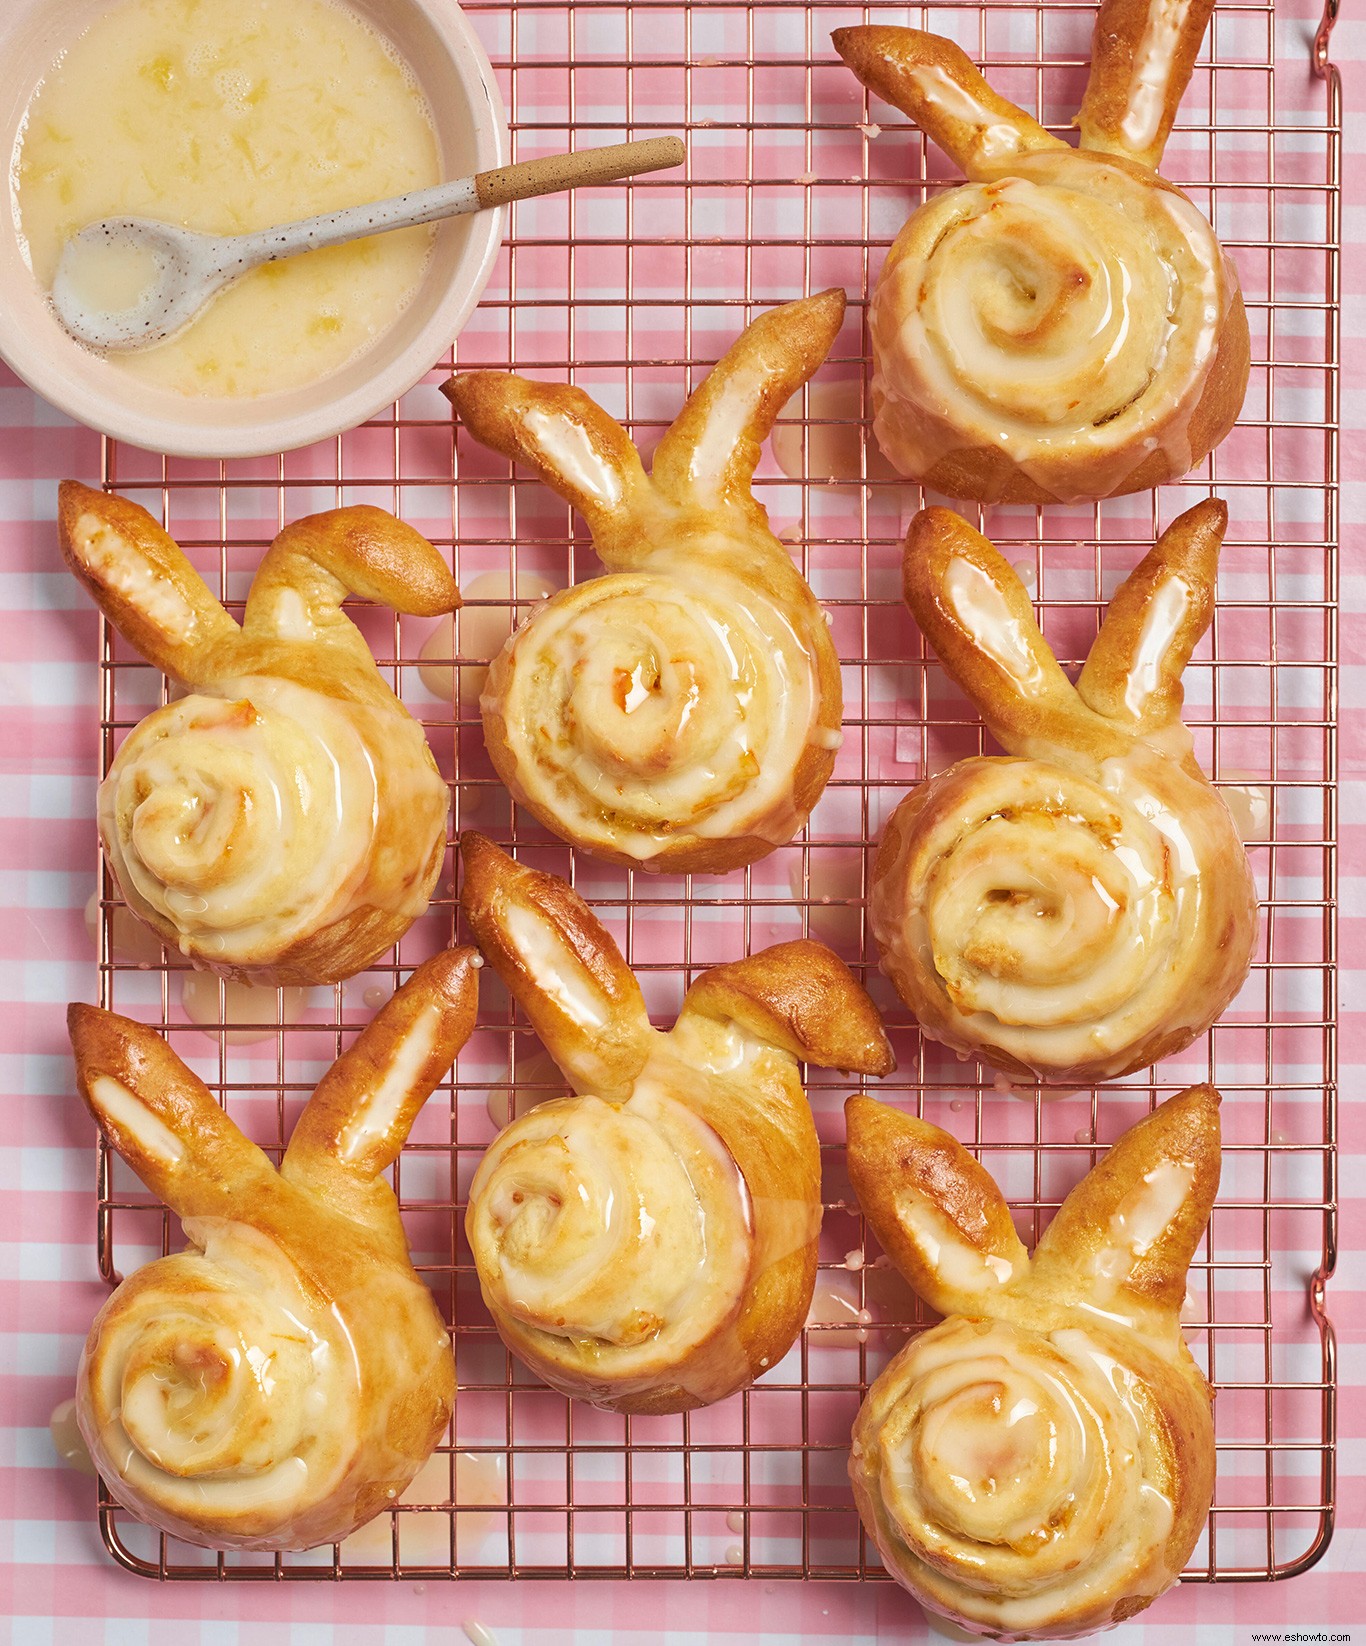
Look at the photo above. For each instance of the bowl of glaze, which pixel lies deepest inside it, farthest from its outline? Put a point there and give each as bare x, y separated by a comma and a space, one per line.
450, 67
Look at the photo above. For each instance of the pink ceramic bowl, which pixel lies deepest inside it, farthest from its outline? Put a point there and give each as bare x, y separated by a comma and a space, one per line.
435, 39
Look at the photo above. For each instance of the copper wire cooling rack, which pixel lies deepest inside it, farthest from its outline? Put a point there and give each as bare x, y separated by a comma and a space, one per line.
795, 182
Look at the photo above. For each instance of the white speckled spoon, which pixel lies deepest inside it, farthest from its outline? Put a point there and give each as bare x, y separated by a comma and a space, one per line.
168, 273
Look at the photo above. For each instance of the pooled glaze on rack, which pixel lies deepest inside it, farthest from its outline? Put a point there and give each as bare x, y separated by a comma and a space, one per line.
1039, 1465
1064, 325
285, 1378
1083, 905
285, 823
650, 1244
681, 713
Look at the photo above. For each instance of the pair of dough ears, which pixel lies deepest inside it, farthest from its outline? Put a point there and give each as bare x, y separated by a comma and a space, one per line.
1142, 55
568, 975
165, 1123
1129, 1228
976, 614
706, 459
143, 583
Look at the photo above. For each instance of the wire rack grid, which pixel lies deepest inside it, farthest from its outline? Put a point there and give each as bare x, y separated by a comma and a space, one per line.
794, 182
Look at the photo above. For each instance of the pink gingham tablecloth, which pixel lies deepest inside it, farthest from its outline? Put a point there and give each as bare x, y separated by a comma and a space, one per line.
58, 1586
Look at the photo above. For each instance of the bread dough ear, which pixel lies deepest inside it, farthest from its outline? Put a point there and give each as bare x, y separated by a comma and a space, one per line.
566, 438
708, 457
975, 613
936, 1212
1131, 1226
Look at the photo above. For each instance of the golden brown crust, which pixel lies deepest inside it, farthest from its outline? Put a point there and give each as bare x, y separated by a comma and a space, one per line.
804, 998
613, 714
706, 1128
1116, 680
1142, 54
907, 68
1084, 906
606, 1061
213, 793
1063, 1376
507, 413
174, 650
964, 595
895, 1159
1183, 1130
709, 453
305, 1270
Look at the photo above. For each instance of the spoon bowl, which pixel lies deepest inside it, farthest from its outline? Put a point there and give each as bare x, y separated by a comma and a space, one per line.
129, 282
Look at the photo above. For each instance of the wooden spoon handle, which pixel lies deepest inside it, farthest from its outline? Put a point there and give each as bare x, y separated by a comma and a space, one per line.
554, 172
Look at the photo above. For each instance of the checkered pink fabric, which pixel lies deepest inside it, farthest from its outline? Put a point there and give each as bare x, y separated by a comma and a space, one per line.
659, 286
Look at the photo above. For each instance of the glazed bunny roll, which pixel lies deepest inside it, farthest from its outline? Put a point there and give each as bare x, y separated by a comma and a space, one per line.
681, 713
1065, 324
282, 1380
1082, 906
649, 1245
285, 822
1039, 1465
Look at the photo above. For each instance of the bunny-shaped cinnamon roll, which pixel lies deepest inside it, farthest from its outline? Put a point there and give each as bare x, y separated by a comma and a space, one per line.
283, 1380
1083, 907
1064, 325
681, 713
650, 1245
1039, 1464
286, 822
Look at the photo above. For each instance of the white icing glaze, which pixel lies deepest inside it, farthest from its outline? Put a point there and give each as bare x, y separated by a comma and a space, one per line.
247, 818
1152, 72
238, 1013
1066, 916
554, 967
1014, 1477
1250, 806
570, 450
1162, 619
622, 1229
67, 1439
981, 610
478, 1634
378, 1111
1142, 1217
129, 1114
994, 139
960, 1265
290, 616
841, 1323
119, 566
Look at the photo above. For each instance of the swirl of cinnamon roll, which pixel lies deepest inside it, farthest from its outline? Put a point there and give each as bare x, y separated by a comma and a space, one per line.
1084, 906
1064, 325
1039, 1465
681, 713
650, 1245
286, 822
283, 1380
622, 1230
643, 709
